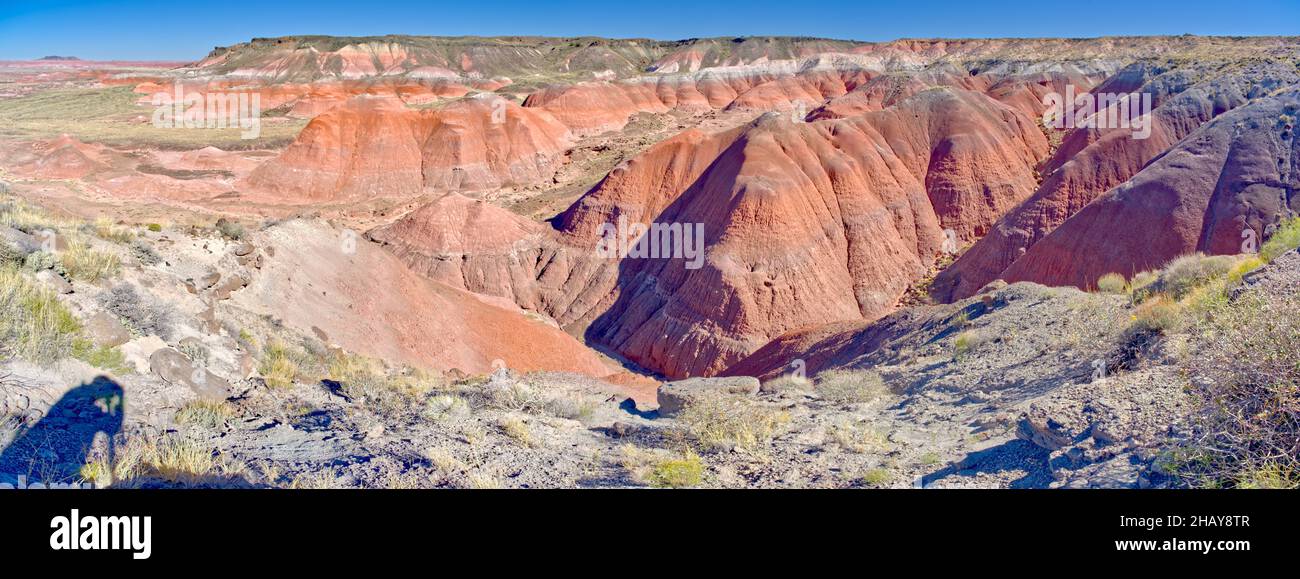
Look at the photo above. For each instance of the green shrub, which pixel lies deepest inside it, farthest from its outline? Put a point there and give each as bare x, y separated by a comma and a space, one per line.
1286, 238
676, 473
232, 230
103, 357
877, 477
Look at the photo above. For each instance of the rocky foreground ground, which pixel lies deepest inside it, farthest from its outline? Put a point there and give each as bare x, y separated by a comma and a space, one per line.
172, 376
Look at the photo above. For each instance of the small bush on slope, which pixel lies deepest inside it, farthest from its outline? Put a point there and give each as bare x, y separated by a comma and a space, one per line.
1244, 366
1112, 283
850, 386
686, 471
144, 315
726, 422
1186, 273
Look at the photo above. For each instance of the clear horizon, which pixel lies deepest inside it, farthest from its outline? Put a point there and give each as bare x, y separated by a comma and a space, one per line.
153, 30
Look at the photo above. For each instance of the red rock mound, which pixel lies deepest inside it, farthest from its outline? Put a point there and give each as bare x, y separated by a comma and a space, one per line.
804, 223
1091, 161
595, 107
313, 281
377, 147
61, 158
1233, 173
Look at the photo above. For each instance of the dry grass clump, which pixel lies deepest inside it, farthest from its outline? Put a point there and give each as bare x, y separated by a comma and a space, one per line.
105, 229
1244, 367
517, 430
392, 392
319, 479
84, 263
729, 422
1112, 283
1184, 274
444, 461
205, 414
966, 342
167, 461
683, 472
1158, 314
446, 407
787, 383
857, 437
513, 396
1140, 286
573, 406
877, 477
34, 324
279, 366
30, 219
850, 386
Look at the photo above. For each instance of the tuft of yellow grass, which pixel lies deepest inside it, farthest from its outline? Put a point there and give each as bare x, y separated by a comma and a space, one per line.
87, 264
34, 324
278, 368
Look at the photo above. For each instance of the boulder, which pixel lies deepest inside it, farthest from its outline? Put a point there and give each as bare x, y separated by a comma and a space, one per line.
106, 330
676, 396
54, 281
174, 368
23, 242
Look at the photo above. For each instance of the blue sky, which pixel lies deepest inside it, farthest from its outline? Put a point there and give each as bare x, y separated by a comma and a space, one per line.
126, 29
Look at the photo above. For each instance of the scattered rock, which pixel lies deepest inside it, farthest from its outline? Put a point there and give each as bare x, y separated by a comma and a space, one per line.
231, 285
207, 280
1037, 427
